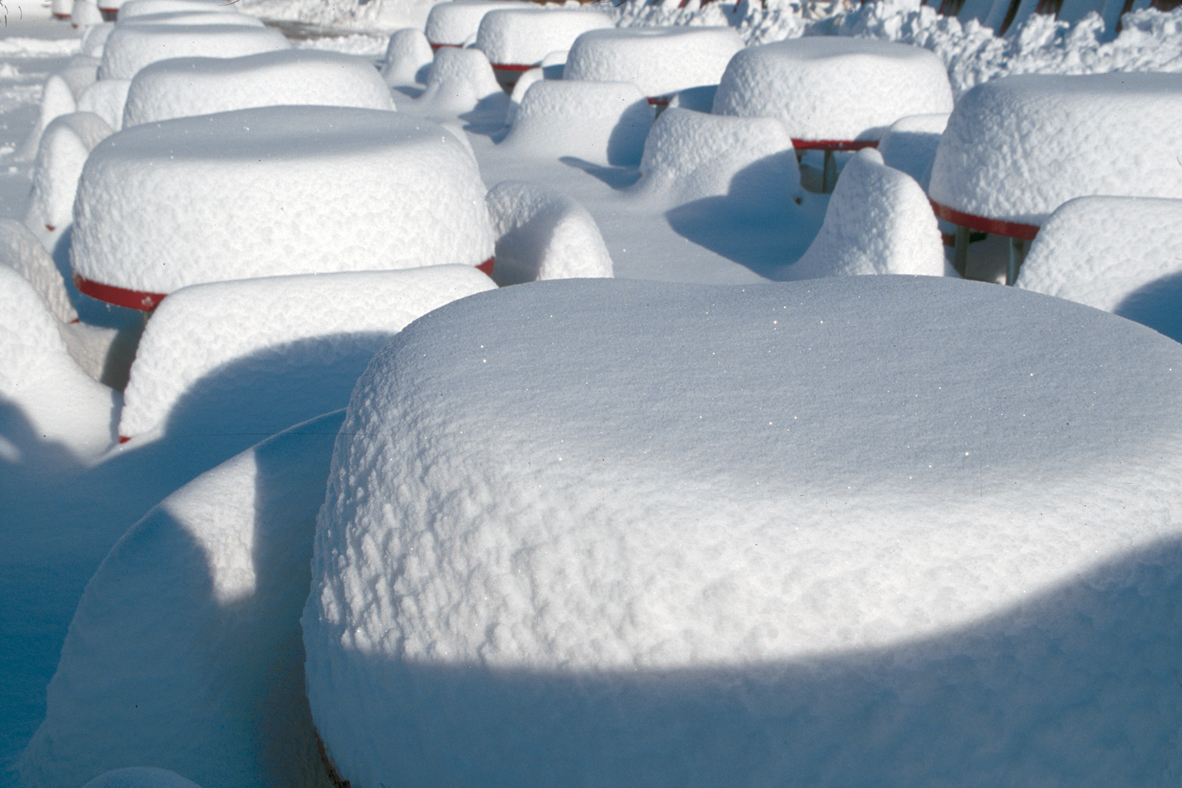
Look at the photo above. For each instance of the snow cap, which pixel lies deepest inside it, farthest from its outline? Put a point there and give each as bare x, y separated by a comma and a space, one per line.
456, 22
523, 36
131, 47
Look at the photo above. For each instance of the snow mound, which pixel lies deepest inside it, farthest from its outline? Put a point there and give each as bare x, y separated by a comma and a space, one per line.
522, 37
659, 61
130, 9
94, 39
614, 528
455, 23
408, 56
85, 14
459, 80
278, 350
44, 395
910, 144
272, 191
828, 88
60, 94
131, 47
185, 649
1019, 147
66, 143
879, 221
542, 234
201, 86
106, 98
140, 777
600, 122
1119, 254
21, 251
693, 155
192, 18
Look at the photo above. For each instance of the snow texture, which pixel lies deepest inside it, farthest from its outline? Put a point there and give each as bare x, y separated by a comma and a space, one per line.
192, 19
106, 98
599, 122
130, 9
598, 530
456, 22
459, 80
910, 144
524, 36
185, 649
1119, 254
408, 58
275, 351
140, 777
543, 234
691, 156
384, 16
60, 94
1019, 147
93, 41
659, 61
830, 88
879, 221
200, 86
273, 191
21, 251
85, 14
131, 47
66, 143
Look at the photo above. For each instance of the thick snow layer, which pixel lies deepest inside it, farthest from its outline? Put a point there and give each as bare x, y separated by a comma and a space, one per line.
383, 16
131, 47
1019, 147
185, 650
408, 58
543, 234
659, 61
200, 85
85, 13
21, 251
131, 9
863, 530
1119, 254
910, 144
879, 221
757, 23
834, 88
522, 37
94, 39
60, 94
192, 18
106, 98
276, 190
456, 22
691, 155
459, 80
40, 383
600, 122
140, 777
66, 143
273, 352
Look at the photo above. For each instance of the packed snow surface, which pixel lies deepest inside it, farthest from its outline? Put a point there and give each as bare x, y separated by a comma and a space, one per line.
525, 36
130, 47
1017, 148
201, 86
456, 22
659, 61
714, 535
828, 88
910, 144
65, 144
276, 190
408, 57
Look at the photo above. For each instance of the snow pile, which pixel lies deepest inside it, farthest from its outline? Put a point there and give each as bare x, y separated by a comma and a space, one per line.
659, 61
1017, 148
372, 15
272, 191
878, 222
910, 144
140, 777
85, 14
106, 98
200, 86
66, 143
522, 37
456, 22
542, 234
21, 251
408, 58
93, 41
276, 351
1119, 254
41, 385
756, 23
600, 122
185, 651
459, 80
131, 47
833, 88
130, 9
60, 94
589, 531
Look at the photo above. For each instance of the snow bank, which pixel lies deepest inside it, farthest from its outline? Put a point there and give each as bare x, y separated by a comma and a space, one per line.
140, 777
200, 85
278, 350
273, 191
21, 251
1119, 254
834, 88
542, 234
692, 155
66, 143
185, 648
522, 37
456, 22
601, 122
879, 221
45, 397
1017, 148
910, 144
408, 58
614, 529
659, 61
131, 47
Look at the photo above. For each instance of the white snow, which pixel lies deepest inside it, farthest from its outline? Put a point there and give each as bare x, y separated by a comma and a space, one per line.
65, 144
456, 22
1019, 147
130, 9
522, 37
140, 777
199, 86
131, 47
408, 57
659, 61
21, 251
275, 351
272, 191
910, 144
459, 79
106, 98
592, 530
834, 88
